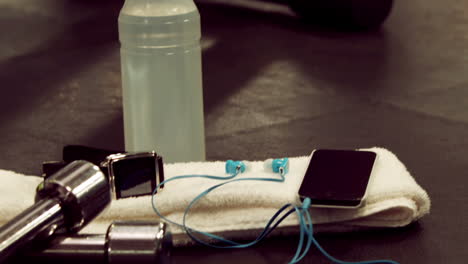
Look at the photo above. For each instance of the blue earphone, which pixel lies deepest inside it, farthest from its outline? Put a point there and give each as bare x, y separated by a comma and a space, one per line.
280, 165
233, 168
277, 165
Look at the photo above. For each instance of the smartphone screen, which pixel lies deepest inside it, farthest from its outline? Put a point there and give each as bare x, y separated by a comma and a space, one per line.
337, 178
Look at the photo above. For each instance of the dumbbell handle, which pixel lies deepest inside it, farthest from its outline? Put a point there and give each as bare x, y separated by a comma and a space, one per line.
65, 201
82, 248
42, 217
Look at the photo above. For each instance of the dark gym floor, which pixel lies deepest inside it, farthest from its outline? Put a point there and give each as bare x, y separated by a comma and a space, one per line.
273, 86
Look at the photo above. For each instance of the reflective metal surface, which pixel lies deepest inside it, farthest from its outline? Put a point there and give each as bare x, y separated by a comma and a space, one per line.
27, 225
125, 242
136, 242
83, 189
67, 200
78, 248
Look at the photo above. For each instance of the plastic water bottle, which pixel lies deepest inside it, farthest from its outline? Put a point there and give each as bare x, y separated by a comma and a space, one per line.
161, 78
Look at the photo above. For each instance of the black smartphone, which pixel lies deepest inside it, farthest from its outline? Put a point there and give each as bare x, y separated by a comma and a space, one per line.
337, 178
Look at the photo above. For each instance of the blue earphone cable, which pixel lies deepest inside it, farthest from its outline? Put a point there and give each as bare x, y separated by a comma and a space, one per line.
232, 244
302, 211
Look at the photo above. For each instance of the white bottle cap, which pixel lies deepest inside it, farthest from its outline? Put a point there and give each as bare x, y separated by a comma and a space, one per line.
159, 23
157, 8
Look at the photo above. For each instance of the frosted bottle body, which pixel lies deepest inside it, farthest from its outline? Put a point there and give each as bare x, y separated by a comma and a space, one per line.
162, 81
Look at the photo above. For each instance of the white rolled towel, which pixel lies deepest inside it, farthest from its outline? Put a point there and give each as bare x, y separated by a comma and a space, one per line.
394, 199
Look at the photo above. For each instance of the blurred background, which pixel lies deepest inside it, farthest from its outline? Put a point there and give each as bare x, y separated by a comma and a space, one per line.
277, 82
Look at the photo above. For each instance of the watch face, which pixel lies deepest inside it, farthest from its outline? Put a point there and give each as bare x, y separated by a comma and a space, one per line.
134, 176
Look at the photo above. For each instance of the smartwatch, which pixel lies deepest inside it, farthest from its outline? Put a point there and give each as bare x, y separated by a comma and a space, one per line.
129, 174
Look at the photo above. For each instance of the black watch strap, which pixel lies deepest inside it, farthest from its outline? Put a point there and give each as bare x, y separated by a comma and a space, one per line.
94, 155
77, 152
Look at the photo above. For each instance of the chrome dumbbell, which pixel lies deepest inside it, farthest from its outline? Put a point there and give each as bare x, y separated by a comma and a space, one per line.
124, 242
65, 202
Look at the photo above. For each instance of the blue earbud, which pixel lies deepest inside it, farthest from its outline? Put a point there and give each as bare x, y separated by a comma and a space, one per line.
234, 167
277, 165
280, 166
